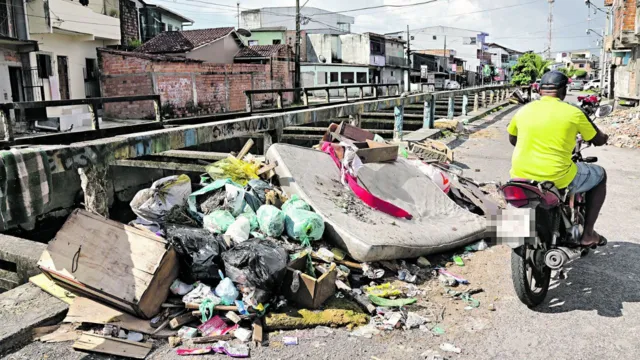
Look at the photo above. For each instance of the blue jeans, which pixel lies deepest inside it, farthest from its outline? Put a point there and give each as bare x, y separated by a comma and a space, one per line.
588, 177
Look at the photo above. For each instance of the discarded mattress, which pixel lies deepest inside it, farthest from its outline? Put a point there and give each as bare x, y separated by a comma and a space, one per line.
438, 223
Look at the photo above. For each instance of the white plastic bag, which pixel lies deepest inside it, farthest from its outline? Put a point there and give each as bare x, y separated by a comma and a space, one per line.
239, 230
153, 204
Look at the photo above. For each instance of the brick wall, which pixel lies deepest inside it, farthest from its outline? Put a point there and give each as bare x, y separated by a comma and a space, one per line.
10, 55
624, 19
128, 22
216, 87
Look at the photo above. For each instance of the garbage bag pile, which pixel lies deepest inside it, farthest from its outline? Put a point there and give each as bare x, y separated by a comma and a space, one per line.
253, 259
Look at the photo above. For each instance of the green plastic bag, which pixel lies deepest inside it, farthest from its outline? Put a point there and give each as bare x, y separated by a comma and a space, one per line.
303, 225
218, 221
391, 303
251, 216
295, 203
271, 220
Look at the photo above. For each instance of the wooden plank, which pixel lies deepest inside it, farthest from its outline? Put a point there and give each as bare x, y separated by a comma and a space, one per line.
192, 154
258, 335
266, 168
160, 165
245, 149
105, 255
181, 320
113, 346
378, 152
84, 310
65, 332
354, 133
39, 332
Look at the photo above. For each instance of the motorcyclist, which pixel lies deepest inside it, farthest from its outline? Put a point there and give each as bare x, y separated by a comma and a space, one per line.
544, 135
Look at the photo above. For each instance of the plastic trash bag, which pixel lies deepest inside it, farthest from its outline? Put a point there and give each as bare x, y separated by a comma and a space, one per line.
239, 230
305, 226
218, 221
227, 291
198, 252
250, 215
295, 203
237, 170
196, 198
153, 204
259, 188
256, 263
271, 220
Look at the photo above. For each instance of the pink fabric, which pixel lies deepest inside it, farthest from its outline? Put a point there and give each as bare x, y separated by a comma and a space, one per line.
364, 195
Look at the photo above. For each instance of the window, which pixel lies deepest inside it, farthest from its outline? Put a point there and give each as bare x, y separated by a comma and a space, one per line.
91, 69
253, 42
170, 27
44, 66
334, 77
392, 73
347, 78
361, 78
276, 41
581, 66
377, 48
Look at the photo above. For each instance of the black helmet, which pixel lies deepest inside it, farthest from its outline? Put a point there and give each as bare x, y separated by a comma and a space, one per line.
553, 80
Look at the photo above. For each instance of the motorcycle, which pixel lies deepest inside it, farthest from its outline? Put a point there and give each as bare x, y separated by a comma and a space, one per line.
590, 104
543, 225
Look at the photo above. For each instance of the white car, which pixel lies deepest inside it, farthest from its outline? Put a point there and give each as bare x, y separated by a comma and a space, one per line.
451, 85
592, 85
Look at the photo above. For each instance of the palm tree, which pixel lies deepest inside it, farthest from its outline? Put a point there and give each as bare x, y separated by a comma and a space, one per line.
541, 66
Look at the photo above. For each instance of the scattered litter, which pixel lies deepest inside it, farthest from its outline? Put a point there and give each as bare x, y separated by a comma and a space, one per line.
367, 331
457, 278
186, 332
227, 291
180, 288
385, 290
135, 336
414, 320
194, 351
450, 348
492, 307
240, 230
322, 331
391, 303
458, 260
174, 341
477, 246
290, 340
243, 335
423, 262
437, 330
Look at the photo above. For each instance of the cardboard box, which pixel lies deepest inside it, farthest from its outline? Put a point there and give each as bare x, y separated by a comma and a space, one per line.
313, 292
111, 262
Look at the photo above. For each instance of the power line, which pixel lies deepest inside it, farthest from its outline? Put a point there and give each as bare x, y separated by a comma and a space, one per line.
380, 6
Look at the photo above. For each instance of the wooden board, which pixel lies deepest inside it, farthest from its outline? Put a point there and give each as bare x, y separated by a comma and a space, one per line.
110, 260
84, 310
113, 346
354, 133
65, 332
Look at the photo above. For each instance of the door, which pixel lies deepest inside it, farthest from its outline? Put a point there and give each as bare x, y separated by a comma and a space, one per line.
63, 77
15, 78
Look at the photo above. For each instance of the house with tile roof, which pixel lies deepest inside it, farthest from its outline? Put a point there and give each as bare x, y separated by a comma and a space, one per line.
263, 54
215, 45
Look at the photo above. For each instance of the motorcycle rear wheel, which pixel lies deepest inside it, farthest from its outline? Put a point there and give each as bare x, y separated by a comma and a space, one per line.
530, 275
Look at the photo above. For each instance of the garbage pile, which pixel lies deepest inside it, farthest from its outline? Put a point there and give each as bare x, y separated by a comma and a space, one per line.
213, 266
623, 127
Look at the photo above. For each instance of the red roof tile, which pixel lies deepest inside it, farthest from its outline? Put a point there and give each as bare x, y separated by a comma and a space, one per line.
182, 41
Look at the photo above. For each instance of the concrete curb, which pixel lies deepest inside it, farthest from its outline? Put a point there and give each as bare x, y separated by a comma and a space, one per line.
477, 115
24, 308
24, 255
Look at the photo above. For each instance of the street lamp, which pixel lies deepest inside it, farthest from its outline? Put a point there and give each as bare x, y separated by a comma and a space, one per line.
590, 31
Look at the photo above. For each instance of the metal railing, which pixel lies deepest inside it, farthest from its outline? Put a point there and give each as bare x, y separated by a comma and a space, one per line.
305, 93
93, 103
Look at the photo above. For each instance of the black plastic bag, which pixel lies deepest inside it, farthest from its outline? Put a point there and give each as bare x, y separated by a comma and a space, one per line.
257, 263
259, 189
198, 251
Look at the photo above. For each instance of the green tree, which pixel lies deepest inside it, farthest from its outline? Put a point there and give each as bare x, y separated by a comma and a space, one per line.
580, 74
570, 72
529, 67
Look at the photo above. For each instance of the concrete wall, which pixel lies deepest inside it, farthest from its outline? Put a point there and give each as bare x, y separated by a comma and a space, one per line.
285, 16
189, 88
319, 44
105, 7
355, 48
220, 51
266, 37
174, 22
320, 75
92, 22
36, 16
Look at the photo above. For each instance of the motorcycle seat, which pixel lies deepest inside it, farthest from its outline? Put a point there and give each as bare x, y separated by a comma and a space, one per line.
549, 194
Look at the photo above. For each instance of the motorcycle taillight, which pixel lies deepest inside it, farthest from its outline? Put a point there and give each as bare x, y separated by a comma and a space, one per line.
515, 196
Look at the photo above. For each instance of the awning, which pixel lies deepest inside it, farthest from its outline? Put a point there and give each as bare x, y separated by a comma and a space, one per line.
22, 46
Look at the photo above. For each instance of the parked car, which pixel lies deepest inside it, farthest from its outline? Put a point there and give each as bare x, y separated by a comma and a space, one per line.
592, 85
576, 85
452, 85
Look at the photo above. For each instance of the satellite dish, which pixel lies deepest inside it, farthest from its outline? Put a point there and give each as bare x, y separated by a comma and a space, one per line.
322, 58
244, 32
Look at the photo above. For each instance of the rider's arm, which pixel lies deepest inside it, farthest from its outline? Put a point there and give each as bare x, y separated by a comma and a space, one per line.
590, 131
512, 129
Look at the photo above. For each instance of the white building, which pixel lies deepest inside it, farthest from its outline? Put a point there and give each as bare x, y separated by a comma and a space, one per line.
465, 42
314, 20
503, 58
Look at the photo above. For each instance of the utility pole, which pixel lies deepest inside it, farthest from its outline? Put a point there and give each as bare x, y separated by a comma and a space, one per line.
408, 60
296, 78
446, 59
550, 20
238, 4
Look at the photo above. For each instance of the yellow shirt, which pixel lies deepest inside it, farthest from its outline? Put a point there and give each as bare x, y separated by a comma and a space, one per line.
546, 131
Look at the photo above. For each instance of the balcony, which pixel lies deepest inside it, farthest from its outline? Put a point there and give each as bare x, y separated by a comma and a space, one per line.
71, 18
377, 60
396, 61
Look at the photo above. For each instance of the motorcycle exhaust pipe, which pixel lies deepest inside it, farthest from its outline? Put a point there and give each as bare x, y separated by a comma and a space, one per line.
557, 258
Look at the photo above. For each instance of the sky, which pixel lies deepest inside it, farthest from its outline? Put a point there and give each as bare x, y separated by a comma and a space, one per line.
517, 24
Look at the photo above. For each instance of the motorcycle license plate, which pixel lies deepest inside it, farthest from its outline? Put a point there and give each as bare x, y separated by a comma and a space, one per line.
514, 225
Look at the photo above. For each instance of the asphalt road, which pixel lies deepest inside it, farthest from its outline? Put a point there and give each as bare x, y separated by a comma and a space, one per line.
593, 314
